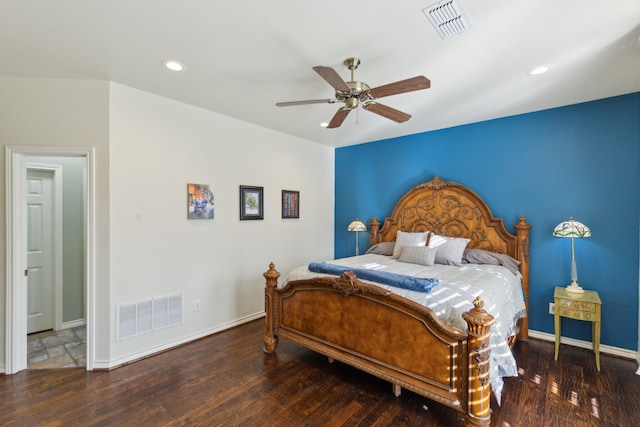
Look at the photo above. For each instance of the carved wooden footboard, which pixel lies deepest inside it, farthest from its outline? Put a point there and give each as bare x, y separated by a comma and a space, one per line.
385, 335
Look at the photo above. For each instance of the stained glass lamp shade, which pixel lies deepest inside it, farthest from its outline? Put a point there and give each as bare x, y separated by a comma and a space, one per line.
575, 230
357, 226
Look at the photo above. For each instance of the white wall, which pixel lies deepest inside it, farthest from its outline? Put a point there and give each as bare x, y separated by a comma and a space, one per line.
157, 147
60, 113
147, 149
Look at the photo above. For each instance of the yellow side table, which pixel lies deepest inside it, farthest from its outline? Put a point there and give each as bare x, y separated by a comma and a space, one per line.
582, 306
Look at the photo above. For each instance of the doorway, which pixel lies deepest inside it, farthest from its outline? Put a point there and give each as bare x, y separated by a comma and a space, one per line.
18, 160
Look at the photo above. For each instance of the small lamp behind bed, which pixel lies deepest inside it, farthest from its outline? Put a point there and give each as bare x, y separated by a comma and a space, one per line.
573, 229
357, 226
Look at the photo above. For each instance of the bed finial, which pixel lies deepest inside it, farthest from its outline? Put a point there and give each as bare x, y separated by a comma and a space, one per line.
271, 274
478, 319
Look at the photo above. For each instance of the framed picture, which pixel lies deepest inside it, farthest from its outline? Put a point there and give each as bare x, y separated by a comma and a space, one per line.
290, 204
199, 201
251, 205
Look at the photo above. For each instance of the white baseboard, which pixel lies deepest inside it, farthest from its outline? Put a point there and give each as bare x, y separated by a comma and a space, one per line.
73, 324
615, 351
111, 364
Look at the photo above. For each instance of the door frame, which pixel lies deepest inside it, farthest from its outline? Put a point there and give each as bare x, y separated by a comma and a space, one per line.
56, 272
16, 159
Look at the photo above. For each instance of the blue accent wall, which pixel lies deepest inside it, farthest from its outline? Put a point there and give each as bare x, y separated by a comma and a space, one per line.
581, 160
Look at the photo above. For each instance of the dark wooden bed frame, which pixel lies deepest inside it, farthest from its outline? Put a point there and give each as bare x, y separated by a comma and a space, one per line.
393, 338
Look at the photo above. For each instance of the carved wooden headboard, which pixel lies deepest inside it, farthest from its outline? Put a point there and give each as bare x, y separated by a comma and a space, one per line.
451, 209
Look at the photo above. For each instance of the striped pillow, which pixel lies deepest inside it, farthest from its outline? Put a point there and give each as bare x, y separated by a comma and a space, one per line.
423, 255
409, 239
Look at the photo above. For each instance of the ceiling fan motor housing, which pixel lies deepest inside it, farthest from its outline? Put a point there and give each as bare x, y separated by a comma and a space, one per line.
359, 92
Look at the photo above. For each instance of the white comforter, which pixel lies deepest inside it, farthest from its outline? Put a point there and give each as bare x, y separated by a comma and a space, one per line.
500, 290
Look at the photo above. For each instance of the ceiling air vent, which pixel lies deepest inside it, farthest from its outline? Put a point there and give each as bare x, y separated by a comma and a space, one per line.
448, 18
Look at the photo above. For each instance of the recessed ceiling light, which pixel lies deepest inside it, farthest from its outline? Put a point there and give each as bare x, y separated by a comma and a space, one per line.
324, 124
540, 69
173, 65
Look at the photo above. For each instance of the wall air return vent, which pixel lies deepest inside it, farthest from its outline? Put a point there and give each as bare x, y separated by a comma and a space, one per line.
448, 18
146, 316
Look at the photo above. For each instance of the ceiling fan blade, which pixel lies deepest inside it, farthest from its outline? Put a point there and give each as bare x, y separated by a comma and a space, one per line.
338, 118
387, 112
333, 78
308, 101
402, 86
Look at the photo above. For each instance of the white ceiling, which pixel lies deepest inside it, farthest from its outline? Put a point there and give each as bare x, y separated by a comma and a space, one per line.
242, 57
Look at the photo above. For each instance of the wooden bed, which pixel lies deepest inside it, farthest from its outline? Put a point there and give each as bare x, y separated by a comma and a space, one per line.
336, 316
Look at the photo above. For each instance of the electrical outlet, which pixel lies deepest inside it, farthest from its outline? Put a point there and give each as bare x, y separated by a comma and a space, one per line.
196, 305
551, 310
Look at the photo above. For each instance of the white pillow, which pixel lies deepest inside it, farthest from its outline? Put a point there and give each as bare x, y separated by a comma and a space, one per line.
423, 255
449, 250
409, 239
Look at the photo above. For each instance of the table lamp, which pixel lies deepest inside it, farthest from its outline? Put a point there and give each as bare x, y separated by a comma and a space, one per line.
578, 230
357, 226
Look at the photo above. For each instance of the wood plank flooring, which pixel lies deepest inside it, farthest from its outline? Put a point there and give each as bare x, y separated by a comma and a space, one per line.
226, 380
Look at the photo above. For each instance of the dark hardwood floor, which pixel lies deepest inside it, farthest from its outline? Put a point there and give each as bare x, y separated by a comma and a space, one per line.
226, 380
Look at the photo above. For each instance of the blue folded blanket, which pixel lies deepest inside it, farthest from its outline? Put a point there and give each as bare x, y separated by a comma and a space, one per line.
419, 284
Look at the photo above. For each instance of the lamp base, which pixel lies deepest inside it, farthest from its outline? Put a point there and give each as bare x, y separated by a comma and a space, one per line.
574, 288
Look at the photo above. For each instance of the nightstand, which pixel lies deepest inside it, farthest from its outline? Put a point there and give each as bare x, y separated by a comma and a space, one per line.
582, 306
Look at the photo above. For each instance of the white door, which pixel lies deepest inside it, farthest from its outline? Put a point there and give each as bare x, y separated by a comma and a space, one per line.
39, 250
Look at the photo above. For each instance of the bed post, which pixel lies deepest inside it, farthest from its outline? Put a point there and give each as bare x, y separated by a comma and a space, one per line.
270, 339
522, 235
374, 226
478, 324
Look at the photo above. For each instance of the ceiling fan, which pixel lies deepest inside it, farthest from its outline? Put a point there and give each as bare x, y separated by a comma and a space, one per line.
354, 93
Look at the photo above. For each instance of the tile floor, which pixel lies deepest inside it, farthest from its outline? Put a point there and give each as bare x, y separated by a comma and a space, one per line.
61, 349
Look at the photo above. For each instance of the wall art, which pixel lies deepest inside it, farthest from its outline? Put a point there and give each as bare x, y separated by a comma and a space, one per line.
290, 204
251, 202
199, 201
